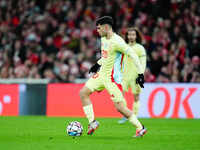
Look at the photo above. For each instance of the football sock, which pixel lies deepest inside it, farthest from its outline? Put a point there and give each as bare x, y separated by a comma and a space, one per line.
133, 119
125, 104
136, 107
88, 110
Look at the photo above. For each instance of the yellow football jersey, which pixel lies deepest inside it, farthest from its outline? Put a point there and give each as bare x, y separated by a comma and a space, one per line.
129, 68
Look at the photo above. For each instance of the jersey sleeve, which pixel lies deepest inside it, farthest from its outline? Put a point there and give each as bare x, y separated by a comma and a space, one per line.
126, 49
99, 61
143, 58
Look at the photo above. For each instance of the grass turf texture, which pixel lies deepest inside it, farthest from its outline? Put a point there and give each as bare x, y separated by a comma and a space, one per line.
40, 133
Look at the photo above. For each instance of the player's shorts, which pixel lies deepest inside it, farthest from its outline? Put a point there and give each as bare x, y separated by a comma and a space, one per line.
98, 82
131, 83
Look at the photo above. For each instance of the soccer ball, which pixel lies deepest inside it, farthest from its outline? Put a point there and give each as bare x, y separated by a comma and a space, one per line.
74, 128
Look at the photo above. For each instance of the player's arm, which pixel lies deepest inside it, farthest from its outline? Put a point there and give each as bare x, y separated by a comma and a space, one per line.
95, 67
140, 66
126, 49
143, 58
99, 62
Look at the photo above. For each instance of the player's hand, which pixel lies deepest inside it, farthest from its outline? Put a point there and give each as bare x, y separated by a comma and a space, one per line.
94, 68
140, 80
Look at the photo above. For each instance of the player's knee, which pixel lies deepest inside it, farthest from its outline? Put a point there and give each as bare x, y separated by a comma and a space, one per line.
84, 93
136, 96
118, 106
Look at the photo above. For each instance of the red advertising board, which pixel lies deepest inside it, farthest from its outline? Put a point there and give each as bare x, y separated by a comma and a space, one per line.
9, 99
64, 100
157, 101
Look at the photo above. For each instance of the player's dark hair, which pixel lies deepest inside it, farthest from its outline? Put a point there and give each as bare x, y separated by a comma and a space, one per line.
139, 36
105, 20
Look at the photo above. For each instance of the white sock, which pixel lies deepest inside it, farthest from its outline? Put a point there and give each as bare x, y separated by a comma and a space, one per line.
133, 119
89, 112
136, 107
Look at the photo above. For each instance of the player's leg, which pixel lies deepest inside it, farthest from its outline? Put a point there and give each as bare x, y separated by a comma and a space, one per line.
118, 100
86, 103
88, 109
136, 104
128, 114
140, 129
136, 90
123, 119
93, 84
125, 87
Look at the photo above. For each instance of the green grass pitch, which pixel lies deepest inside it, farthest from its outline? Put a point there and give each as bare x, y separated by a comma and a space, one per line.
48, 133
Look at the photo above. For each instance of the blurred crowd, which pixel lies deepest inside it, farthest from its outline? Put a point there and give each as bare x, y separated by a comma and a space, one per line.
57, 39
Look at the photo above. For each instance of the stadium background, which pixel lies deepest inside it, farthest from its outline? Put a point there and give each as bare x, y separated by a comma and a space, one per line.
47, 48
56, 41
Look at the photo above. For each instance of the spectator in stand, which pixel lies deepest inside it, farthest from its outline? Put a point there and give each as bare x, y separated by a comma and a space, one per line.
42, 39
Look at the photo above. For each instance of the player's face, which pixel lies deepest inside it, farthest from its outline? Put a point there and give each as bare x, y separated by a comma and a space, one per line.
101, 30
132, 36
